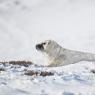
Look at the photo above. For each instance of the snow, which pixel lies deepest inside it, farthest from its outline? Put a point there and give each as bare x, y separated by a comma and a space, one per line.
64, 81
24, 23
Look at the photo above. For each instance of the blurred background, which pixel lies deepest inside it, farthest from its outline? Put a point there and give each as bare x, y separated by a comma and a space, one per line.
24, 23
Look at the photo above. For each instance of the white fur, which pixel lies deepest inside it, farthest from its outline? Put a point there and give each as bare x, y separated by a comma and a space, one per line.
58, 56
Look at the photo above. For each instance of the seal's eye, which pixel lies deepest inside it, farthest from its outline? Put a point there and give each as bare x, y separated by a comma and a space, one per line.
43, 43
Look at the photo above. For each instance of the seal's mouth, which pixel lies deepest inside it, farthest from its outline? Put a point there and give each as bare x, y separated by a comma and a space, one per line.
39, 47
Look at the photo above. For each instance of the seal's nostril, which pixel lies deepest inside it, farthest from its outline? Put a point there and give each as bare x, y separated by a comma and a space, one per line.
37, 46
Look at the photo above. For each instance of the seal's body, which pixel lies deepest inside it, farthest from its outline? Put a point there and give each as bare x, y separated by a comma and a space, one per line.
58, 56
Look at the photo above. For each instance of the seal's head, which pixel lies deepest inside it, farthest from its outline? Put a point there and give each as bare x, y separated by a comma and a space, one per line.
43, 46
49, 47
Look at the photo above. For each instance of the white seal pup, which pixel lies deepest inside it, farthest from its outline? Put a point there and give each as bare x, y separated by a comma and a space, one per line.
59, 56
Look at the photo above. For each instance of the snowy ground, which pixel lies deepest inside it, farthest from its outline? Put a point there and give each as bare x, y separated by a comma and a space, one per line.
70, 80
24, 23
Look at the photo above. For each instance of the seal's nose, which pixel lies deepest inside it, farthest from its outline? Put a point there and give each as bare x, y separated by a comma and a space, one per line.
39, 47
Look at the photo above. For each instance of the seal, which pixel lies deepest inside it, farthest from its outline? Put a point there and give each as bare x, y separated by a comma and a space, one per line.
59, 56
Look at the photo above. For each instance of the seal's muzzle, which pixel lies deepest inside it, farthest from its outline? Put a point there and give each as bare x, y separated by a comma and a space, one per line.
39, 47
